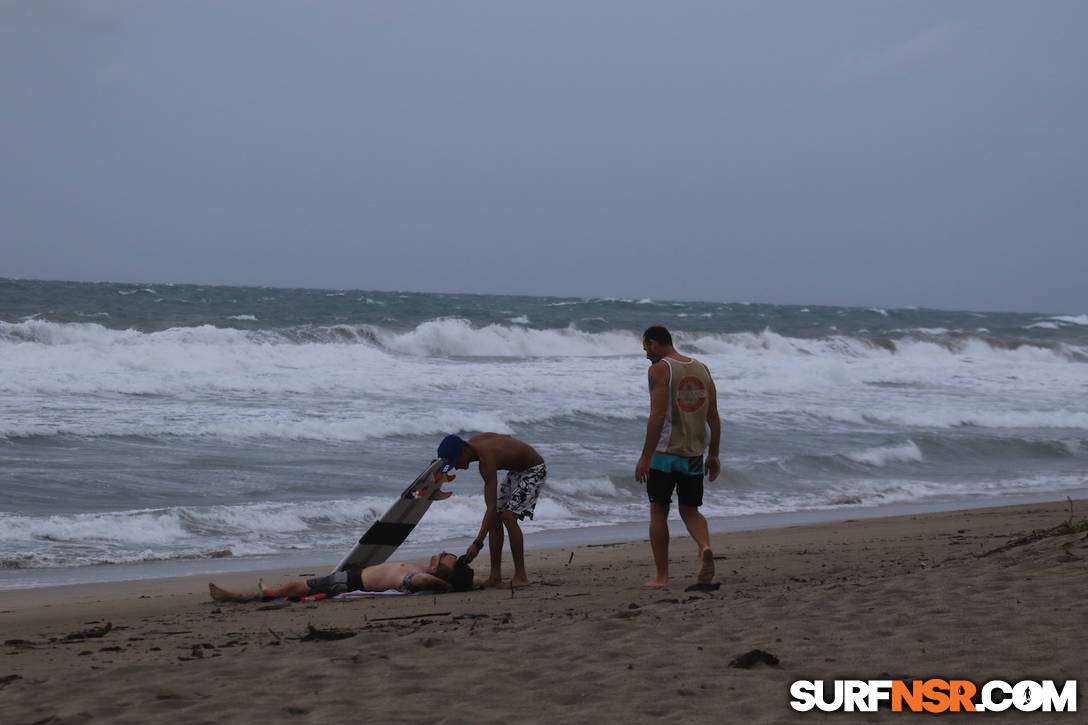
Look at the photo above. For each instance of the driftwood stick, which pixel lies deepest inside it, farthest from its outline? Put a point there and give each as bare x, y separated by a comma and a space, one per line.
410, 616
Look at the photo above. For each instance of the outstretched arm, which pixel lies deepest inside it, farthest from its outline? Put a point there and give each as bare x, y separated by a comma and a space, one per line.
423, 580
491, 497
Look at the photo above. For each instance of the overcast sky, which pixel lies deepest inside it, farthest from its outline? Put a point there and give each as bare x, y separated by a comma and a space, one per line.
856, 153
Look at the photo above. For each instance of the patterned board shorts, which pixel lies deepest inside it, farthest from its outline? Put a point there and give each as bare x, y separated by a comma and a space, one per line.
519, 490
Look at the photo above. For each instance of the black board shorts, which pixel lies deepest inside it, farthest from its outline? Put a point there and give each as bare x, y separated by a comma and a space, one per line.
348, 580
685, 474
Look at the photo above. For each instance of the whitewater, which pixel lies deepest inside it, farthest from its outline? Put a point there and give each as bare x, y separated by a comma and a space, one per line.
168, 428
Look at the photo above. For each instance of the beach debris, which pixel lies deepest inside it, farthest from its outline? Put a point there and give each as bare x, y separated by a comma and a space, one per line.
752, 658
196, 652
315, 635
91, 633
1036, 535
411, 616
1069, 526
1068, 555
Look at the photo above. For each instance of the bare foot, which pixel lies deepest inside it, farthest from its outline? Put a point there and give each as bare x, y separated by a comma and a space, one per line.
492, 581
656, 583
222, 595
519, 581
706, 569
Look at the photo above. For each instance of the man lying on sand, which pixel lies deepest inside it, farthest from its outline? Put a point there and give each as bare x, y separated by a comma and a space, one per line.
445, 573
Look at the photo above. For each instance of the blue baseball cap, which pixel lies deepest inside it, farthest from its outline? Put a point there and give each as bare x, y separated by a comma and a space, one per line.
449, 450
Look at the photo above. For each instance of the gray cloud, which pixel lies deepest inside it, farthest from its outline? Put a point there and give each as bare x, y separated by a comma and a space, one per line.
931, 46
887, 154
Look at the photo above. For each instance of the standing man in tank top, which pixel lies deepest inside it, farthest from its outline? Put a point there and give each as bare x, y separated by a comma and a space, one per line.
683, 423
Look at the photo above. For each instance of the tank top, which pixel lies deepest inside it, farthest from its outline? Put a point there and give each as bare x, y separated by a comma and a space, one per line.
686, 431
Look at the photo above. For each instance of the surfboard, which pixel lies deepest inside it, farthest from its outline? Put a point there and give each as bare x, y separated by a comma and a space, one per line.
389, 532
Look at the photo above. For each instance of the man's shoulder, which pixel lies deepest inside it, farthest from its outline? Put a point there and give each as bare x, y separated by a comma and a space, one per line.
689, 360
485, 438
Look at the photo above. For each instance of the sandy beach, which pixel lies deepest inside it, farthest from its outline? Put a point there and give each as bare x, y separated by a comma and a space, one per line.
906, 597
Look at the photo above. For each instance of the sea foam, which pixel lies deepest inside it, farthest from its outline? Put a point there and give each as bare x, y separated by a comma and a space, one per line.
883, 455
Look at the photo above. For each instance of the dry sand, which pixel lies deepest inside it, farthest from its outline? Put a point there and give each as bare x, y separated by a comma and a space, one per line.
902, 597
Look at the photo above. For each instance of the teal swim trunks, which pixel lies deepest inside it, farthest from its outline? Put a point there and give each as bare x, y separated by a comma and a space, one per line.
682, 473
684, 465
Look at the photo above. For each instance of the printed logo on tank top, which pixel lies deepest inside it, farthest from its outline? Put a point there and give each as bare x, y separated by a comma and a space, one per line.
690, 394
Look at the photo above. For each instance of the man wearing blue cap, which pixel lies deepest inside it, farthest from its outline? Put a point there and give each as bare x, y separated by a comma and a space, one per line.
506, 504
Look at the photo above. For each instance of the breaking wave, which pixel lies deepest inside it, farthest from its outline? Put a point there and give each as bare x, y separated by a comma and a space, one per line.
456, 337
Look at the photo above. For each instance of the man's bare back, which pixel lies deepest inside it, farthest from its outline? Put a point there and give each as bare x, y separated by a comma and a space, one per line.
504, 453
505, 507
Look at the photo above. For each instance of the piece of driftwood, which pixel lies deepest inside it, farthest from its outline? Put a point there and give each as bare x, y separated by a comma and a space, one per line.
315, 634
91, 633
752, 658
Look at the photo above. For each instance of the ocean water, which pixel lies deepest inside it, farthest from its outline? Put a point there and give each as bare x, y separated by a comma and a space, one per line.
184, 426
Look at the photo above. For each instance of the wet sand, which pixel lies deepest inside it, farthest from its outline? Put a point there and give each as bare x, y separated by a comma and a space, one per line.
902, 597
